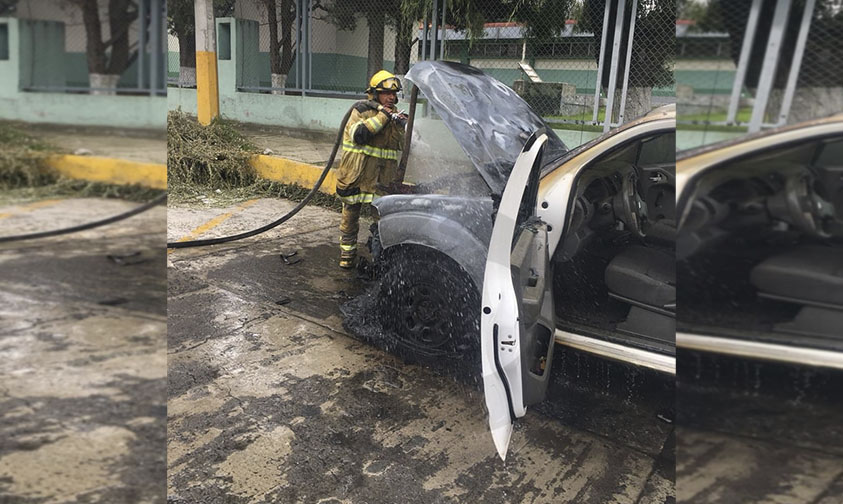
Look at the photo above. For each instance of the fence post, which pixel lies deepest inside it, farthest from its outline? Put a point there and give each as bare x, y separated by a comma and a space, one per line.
424, 39
156, 12
308, 45
142, 43
207, 87
796, 64
599, 83
433, 29
442, 39
631, 37
743, 61
771, 61
613, 71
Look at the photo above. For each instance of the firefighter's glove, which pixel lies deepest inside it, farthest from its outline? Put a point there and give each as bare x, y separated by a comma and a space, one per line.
400, 118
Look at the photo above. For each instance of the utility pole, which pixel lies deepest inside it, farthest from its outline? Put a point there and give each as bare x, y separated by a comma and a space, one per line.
207, 85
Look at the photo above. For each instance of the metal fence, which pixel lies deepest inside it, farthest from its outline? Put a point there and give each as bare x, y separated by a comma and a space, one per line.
92, 46
744, 65
573, 64
569, 59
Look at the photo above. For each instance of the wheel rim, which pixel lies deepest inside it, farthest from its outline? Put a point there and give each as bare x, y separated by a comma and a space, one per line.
420, 323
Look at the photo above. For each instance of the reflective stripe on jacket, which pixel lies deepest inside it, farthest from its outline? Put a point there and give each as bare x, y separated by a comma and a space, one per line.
370, 152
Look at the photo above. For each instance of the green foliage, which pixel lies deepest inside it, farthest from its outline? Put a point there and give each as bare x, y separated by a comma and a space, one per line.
22, 159
8, 7
215, 156
654, 45
181, 14
24, 174
823, 56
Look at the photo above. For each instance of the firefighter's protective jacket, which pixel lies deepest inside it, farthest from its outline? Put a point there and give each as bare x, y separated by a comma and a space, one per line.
371, 148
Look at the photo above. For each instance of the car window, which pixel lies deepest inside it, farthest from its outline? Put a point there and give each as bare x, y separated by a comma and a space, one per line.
628, 153
660, 149
831, 154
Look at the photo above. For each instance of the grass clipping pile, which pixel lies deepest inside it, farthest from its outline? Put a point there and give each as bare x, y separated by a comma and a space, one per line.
22, 159
210, 164
25, 175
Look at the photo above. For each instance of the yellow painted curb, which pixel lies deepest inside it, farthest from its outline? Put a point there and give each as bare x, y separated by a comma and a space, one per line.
115, 171
288, 171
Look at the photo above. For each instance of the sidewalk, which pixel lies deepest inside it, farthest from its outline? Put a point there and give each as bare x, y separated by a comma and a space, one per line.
296, 145
140, 145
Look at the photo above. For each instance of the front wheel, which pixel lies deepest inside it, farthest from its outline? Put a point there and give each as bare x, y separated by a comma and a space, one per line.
430, 305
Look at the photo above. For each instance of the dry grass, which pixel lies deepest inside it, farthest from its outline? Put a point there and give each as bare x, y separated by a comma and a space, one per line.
214, 156
24, 174
22, 159
209, 165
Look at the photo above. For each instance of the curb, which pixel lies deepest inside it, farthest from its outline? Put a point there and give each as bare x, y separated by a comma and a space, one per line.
115, 171
288, 171
119, 171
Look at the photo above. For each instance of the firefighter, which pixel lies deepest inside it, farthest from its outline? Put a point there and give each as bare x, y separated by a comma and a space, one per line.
371, 149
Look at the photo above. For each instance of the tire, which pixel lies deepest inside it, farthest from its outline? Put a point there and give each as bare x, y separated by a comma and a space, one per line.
429, 305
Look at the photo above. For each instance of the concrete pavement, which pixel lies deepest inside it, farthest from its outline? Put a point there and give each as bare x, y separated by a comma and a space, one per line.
82, 356
272, 400
756, 432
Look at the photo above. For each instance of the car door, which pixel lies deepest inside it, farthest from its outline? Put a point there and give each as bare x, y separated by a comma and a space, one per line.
517, 319
771, 257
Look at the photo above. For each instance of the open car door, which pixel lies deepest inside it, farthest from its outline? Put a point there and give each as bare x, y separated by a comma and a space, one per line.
517, 321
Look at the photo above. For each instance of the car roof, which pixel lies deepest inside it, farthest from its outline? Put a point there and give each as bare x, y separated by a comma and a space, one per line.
685, 154
657, 114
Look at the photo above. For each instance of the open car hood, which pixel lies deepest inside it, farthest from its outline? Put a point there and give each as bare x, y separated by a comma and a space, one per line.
490, 122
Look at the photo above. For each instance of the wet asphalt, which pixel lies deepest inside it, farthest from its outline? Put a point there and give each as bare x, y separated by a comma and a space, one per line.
274, 397
755, 432
82, 356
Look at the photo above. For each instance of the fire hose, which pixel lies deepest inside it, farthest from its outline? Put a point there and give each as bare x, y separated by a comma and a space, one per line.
307, 198
90, 225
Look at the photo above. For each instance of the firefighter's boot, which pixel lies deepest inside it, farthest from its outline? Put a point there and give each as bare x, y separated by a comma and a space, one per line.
349, 227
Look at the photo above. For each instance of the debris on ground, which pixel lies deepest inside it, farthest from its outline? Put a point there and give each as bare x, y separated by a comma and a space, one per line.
210, 164
286, 258
22, 158
127, 259
24, 174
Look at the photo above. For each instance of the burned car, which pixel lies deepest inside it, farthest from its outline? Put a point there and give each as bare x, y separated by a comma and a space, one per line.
760, 246
510, 242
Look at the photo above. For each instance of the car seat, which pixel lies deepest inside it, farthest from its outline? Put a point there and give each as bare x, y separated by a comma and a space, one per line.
645, 278
810, 276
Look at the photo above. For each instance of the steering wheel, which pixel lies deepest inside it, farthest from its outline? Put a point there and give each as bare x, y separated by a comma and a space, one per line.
633, 211
807, 209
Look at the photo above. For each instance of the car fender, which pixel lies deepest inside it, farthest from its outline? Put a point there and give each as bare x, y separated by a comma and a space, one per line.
439, 233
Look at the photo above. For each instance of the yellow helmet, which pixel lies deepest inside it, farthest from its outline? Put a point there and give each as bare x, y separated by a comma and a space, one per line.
384, 81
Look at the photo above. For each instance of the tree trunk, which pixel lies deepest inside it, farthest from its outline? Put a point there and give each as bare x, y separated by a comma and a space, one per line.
103, 84
94, 47
638, 103
119, 19
403, 45
280, 49
274, 42
288, 19
187, 58
808, 103
376, 29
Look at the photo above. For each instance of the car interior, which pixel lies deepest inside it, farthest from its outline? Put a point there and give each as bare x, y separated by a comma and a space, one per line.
760, 247
614, 271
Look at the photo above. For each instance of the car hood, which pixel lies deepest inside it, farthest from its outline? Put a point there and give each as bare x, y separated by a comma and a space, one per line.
488, 119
